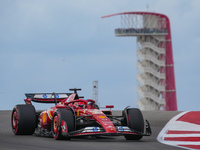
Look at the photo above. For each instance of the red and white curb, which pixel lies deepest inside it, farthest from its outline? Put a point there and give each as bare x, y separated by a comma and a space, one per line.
182, 131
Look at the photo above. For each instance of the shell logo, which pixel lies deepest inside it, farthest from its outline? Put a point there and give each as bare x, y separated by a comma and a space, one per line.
102, 117
44, 118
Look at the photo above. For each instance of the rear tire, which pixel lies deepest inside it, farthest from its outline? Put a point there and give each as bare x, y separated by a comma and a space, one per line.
23, 120
135, 121
62, 115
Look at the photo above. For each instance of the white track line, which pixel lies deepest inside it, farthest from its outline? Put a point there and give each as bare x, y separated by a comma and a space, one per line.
166, 137
184, 126
182, 135
169, 124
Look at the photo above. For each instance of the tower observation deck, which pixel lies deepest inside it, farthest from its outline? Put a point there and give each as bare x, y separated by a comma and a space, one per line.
156, 87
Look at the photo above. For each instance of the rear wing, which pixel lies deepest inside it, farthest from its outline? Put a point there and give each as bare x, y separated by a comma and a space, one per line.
46, 97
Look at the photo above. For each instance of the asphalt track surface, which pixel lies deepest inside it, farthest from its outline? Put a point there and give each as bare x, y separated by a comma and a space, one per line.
157, 119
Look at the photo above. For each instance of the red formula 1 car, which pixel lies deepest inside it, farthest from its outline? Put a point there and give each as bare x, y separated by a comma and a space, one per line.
72, 116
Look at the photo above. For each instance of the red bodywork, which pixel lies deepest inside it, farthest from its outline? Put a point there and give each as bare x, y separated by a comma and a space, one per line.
102, 119
84, 110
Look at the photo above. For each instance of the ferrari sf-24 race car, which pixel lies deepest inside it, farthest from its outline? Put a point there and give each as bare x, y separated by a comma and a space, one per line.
74, 116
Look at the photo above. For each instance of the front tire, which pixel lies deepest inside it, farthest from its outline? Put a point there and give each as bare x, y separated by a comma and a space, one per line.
135, 121
23, 120
62, 116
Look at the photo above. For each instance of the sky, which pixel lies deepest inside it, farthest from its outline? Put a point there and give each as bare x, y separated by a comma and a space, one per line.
51, 46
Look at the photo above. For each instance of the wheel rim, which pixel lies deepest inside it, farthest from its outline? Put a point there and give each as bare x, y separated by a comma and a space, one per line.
55, 125
15, 121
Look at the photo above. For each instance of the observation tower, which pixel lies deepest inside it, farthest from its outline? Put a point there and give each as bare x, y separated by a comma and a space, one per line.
156, 87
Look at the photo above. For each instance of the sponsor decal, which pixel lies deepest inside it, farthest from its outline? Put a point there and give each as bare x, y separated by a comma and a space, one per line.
57, 96
102, 117
50, 96
44, 117
91, 129
78, 113
96, 111
49, 114
95, 129
44, 95
121, 129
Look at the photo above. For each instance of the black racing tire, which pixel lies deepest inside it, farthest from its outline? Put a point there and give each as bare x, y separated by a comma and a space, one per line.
60, 115
23, 120
135, 121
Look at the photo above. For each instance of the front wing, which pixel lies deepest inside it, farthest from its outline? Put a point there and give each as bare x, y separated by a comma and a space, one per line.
121, 131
